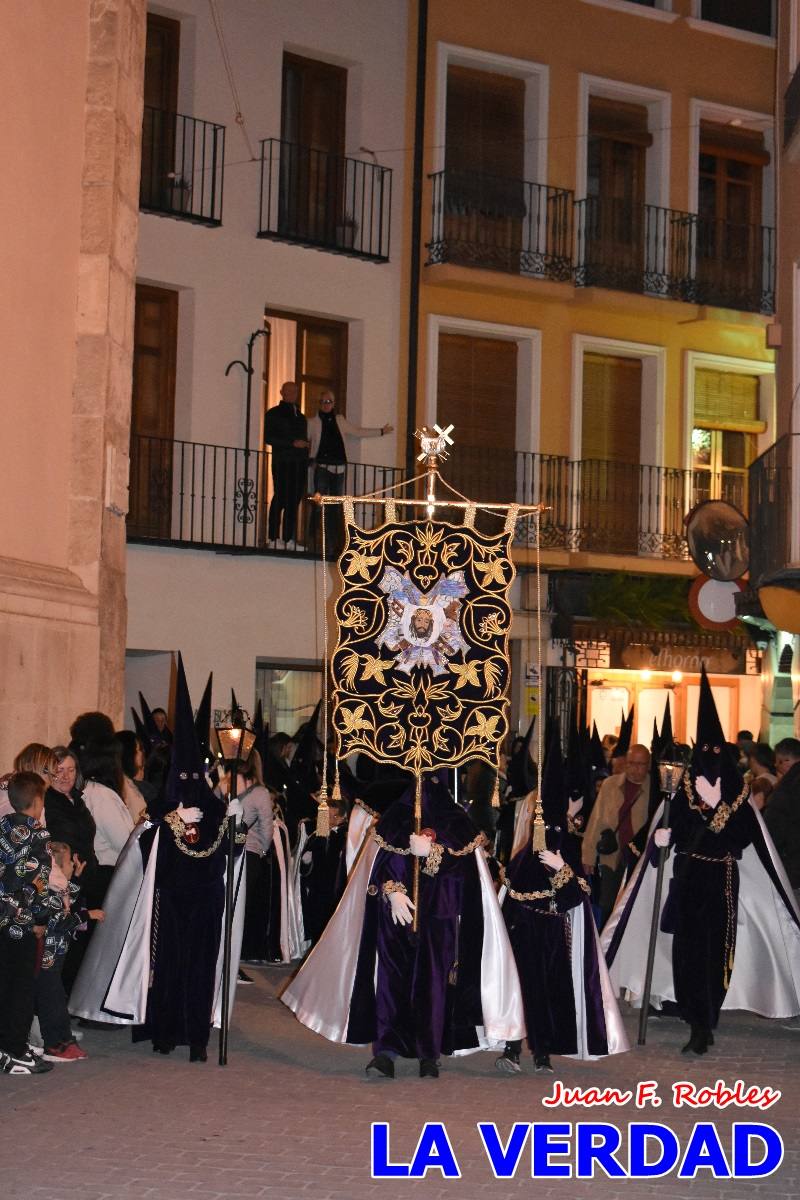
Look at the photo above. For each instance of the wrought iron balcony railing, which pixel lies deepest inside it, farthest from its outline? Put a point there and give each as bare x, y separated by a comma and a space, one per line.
774, 512
592, 504
501, 224
679, 255
219, 497
183, 162
324, 201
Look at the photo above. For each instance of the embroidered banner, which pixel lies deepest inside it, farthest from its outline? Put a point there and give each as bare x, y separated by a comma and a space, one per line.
421, 667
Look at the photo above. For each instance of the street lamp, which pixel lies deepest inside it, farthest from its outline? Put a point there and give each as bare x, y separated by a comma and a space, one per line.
235, 743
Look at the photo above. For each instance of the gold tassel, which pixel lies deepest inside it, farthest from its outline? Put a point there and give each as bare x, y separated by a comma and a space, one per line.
336, 793
496, 794
539, 839
323, 813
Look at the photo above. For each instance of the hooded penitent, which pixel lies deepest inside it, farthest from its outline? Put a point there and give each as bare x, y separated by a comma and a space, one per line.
625, 735
156, 736
704, 957
439, 990
521, 776
553, 937
202, 721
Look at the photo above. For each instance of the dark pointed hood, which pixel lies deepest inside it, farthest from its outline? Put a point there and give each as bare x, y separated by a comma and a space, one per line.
262, 733
710, 755
522, 775
186, 783
202, 720
667, 738
156, 737
553, 790
625, 735
304, 763
141, 732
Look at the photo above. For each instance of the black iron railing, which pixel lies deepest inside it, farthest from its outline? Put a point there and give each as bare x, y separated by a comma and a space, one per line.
679, 255
753, 16
325, 201
773, 510
183, 162
501, 224
791, 107
225, 498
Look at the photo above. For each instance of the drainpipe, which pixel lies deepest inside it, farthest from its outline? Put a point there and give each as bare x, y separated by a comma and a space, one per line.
416, 236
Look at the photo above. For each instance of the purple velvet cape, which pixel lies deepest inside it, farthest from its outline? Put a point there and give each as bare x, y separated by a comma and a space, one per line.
419, 995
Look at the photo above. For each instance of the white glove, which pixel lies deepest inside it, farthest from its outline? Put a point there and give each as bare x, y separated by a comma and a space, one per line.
709, 793
551, 859
661, 837
190, 816
307, 857
401, 907
419, 845
234, 809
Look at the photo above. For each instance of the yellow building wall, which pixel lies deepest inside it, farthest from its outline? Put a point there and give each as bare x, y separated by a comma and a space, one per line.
573, 37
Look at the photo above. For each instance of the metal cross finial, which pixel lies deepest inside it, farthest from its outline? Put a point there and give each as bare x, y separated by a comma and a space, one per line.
433, 443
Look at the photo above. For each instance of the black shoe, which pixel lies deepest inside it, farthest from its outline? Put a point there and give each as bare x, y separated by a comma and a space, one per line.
198, 1054
508, 1062
163, 1047
542, 1064
699, 1041
23, 1064
428, 1069
242, 977
381, 1064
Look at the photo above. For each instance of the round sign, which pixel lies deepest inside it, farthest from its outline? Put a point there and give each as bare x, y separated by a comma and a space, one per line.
712, 602
718, 538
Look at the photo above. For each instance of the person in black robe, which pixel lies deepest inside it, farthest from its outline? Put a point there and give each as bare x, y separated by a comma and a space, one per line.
189, 899
323, 873
711, 823
542, 887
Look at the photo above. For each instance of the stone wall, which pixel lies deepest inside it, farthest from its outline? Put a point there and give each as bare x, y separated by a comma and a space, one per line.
74, 87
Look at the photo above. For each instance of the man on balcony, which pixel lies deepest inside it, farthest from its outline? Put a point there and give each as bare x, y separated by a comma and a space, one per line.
286, 431
327, 432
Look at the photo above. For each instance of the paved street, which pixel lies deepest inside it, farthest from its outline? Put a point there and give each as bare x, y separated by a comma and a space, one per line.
290, 1116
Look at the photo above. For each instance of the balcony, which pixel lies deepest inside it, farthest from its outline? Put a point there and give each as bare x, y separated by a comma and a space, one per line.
677, 255
324, 201
593, 505
183, 163
218, 497
501, 225
773, 509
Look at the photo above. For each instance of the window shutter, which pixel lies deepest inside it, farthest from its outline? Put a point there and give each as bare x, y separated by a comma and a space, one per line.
612, 408
725, 397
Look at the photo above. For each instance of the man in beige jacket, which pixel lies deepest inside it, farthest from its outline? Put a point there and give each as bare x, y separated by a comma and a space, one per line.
621, 806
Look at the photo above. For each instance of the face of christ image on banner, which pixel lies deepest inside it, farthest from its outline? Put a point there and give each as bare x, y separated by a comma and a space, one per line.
421, 625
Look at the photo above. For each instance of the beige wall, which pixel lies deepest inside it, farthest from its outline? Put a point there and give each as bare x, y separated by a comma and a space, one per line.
71, 88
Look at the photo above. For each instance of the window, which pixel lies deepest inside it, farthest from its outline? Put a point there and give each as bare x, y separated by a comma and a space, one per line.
312, 351
615, 182
724, 437
153, 411
288, 692
484, 167
752, 16
476, 391
610, 453
313, 182
162, 51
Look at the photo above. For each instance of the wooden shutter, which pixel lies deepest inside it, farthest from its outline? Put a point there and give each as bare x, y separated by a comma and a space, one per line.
162, 51
619, 121
321, 362
612, 405
314, 104
485, 123
725, 397
153, 412
477, 394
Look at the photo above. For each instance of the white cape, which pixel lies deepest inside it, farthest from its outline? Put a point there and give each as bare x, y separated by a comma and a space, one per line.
298, 942
284, 867
113, 980
358, 828
320, 993
766, 968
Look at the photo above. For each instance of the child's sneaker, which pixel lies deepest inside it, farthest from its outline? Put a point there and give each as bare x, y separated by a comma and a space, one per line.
66, 1052
25, 1064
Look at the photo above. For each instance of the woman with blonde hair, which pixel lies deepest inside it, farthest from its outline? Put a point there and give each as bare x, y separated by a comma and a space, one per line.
39, 759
